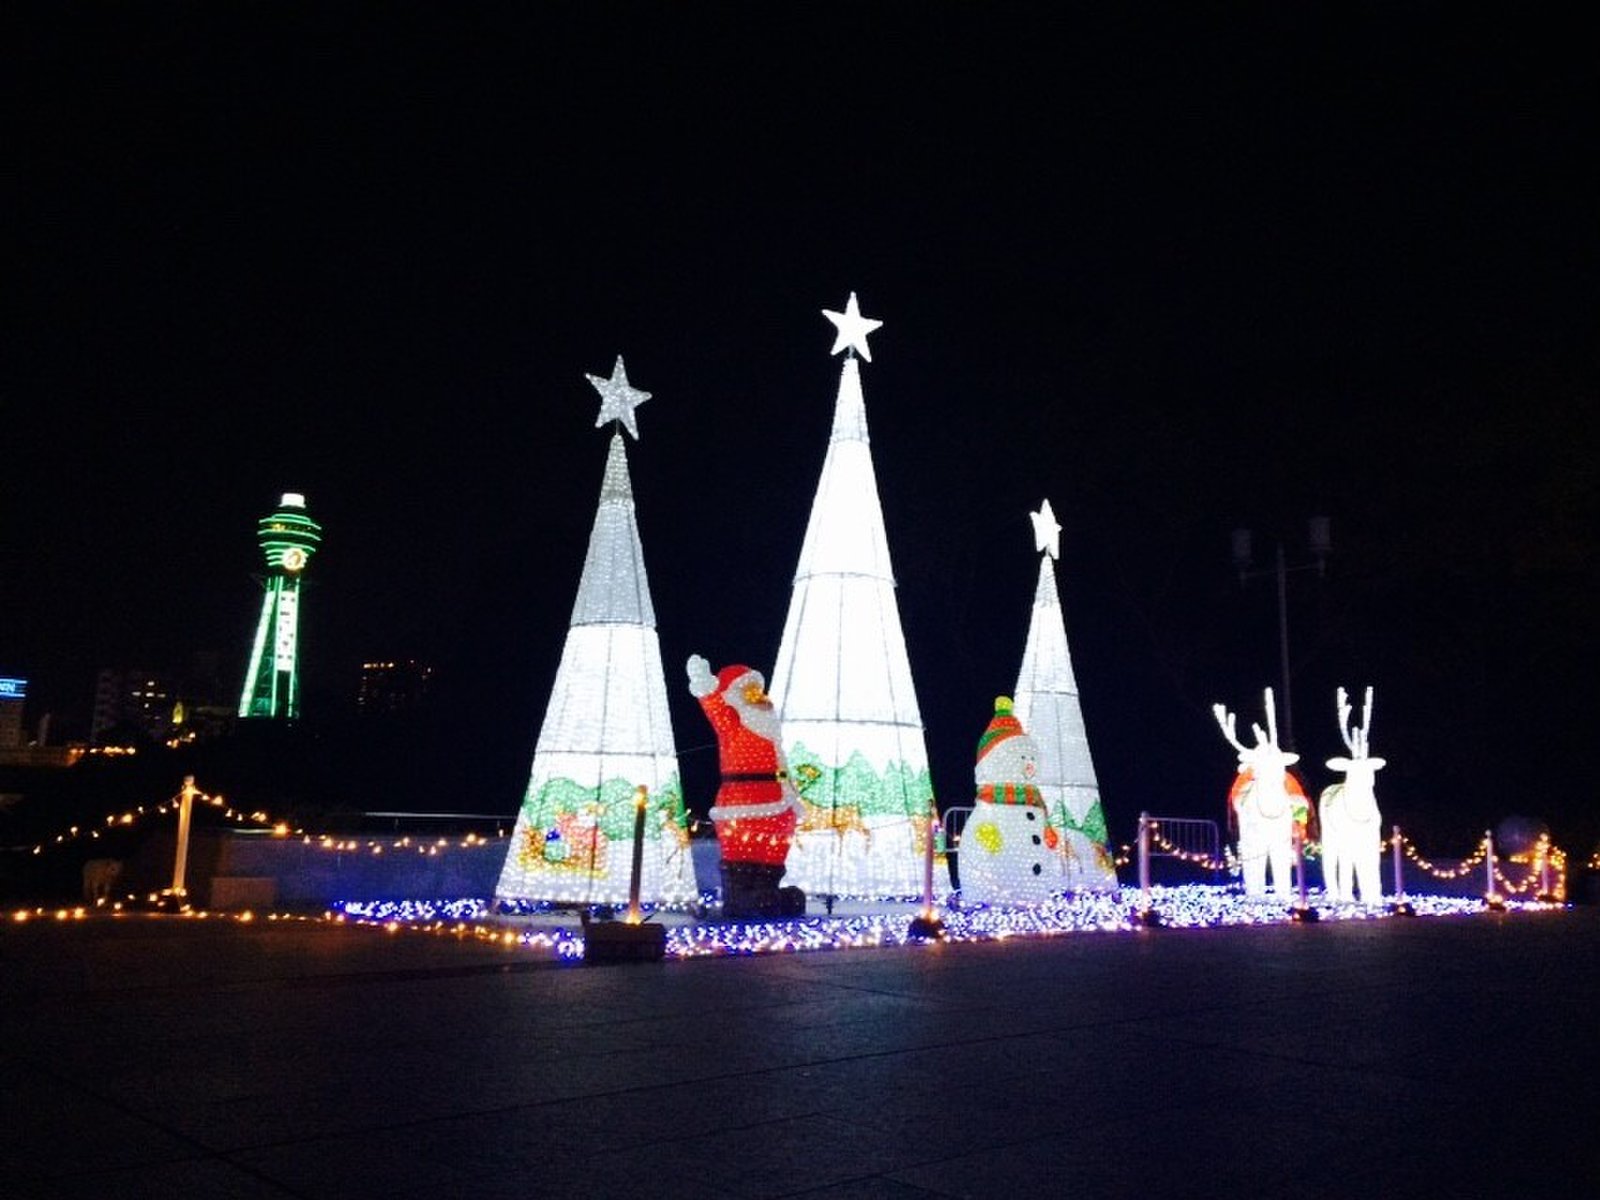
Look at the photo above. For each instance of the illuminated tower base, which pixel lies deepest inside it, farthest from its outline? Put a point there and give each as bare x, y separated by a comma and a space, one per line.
606, 734
852, 730
288, 538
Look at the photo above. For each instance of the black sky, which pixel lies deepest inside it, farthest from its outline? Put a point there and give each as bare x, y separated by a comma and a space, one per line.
1175, 267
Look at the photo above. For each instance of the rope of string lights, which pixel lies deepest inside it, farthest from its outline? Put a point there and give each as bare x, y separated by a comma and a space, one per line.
114, 822
132, 816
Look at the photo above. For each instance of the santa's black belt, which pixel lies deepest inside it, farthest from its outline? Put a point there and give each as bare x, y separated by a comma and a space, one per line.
755, 777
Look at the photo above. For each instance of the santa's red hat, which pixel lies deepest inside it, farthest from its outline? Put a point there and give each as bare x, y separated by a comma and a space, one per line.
729, 676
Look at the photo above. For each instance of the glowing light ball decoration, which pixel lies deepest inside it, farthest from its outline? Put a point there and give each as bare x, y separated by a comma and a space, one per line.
757, 807
1046, 702
1266, 801
842, 683
1352, 826
1010, 853
288, 538
606, 729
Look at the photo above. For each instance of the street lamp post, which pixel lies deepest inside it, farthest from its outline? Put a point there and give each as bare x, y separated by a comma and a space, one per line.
1319, 536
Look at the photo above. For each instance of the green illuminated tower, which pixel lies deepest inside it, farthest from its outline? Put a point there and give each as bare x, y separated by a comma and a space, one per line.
288, 539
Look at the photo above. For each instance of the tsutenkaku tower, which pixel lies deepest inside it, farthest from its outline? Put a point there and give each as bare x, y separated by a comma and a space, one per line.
842, 685
288, 537
1046, 702
606, 741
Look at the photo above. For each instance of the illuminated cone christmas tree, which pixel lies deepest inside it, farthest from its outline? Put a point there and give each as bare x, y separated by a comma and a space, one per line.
606, 731
1046, 702
851, 727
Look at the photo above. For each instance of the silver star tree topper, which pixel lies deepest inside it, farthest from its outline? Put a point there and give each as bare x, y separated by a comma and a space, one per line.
617, 398
852, 329
1046, 531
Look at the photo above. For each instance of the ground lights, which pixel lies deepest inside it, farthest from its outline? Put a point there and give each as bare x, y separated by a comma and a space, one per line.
1187, 906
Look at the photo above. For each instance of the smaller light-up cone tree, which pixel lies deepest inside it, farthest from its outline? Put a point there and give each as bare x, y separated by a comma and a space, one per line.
288, 538
606, 730
1046, 702
842, 684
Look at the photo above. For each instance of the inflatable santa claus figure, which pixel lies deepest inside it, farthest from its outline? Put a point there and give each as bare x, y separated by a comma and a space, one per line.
757, 807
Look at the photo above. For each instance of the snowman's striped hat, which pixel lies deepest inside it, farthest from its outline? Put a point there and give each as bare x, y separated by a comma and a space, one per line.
1003, 725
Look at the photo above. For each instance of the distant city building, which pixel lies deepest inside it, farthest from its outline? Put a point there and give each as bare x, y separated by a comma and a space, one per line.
12, 694
391, 687
15, 749
288, 537
128, 702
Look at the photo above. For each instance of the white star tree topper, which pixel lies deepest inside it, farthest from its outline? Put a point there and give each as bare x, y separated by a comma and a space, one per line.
1046, 531
617, 398
852, 329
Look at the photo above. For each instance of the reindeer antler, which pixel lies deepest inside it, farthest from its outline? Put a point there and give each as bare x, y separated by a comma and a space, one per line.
1344, 722
1357, 737
1229, 723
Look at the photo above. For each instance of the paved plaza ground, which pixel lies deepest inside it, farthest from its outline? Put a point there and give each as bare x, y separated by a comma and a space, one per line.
170, 1057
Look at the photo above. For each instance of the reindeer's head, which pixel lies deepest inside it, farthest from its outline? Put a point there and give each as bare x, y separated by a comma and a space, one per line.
1360, 768
1265, 796
1265, 760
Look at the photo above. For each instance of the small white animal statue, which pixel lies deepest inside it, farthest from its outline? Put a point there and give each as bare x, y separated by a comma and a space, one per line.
1352, 827
1263, 803
100, 875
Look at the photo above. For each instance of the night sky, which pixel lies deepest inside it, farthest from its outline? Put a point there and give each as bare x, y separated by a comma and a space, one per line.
1178, 268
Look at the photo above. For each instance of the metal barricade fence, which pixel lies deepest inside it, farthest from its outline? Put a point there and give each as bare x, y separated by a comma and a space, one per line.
1188, 839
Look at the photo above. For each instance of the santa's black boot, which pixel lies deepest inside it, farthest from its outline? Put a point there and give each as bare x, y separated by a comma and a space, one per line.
750, 889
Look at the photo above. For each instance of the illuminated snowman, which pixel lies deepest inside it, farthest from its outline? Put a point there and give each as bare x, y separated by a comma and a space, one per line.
1008, 851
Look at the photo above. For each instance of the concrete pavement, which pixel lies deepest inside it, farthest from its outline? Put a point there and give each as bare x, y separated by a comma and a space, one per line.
164, 1057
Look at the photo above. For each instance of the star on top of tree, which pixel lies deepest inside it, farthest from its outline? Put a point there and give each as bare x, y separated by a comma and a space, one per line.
617, 398
1046, 531
852, 329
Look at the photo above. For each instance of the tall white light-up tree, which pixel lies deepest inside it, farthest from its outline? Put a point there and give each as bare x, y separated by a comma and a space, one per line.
606, 729
1046, 702
842, 684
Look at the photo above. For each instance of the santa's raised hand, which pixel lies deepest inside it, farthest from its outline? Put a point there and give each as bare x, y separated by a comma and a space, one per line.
701, 681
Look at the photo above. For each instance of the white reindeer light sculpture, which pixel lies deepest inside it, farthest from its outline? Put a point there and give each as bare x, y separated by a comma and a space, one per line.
1263, 798
1352, 827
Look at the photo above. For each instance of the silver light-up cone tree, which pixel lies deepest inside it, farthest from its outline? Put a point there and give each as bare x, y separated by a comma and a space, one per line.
1046, 702
852, 730
606, 730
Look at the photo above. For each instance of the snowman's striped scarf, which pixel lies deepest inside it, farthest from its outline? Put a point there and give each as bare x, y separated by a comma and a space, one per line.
1010, 793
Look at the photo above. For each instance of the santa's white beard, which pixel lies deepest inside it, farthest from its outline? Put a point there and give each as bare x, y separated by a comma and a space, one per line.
758, 719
